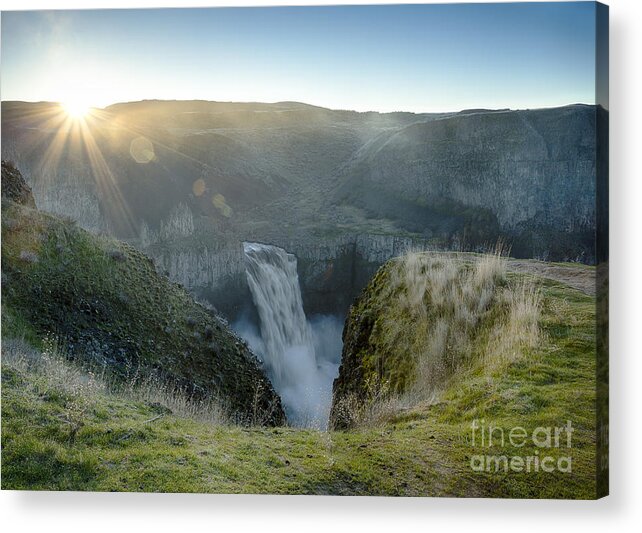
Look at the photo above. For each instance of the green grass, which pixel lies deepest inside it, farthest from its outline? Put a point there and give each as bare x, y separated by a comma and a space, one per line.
122, 445
556, 383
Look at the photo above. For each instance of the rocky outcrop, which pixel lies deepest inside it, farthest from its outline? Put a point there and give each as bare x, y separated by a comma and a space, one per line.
425, 317
515, 163
14, 187
199, 267
334, 271
178, 224
69, 199
62, 189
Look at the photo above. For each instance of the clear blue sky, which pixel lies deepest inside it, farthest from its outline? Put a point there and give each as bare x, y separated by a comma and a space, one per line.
383, 58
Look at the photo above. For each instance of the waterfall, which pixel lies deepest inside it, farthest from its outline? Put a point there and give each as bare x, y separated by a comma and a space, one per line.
286, 345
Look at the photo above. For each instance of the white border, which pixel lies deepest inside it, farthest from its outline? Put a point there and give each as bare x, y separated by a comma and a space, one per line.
67, 512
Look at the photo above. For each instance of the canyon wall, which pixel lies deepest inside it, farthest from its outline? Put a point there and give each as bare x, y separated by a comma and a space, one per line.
331, 271
343, 191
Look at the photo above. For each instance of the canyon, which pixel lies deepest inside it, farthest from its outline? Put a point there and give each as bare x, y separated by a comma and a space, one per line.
187, 182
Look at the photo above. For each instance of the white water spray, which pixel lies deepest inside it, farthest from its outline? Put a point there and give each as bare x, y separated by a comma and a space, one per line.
287, 341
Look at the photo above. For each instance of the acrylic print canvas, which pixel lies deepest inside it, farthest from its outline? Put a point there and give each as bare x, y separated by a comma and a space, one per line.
346, 250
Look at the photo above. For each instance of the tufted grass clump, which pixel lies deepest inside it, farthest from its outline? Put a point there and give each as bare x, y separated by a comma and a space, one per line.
446, 301
436, 315
518, 330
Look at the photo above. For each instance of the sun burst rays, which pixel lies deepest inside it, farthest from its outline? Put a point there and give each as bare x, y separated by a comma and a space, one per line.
65, 135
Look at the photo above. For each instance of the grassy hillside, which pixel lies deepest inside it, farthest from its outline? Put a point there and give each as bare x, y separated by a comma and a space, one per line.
111, 309
86, 438
422, 319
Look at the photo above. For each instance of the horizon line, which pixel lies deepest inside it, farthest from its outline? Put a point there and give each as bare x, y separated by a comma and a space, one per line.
250, 102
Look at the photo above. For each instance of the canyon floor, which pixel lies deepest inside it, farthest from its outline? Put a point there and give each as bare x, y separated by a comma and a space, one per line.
112, 443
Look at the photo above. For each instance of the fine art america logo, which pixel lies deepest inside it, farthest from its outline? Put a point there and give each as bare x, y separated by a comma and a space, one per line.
549, 448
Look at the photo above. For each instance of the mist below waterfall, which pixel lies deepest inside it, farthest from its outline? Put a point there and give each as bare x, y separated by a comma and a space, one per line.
301, 356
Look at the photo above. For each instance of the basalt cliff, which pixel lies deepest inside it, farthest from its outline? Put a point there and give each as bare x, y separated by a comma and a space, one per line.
188, 182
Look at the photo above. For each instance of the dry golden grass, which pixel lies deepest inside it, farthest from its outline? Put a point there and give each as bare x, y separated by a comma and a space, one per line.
444, 313
519, 329
54, 371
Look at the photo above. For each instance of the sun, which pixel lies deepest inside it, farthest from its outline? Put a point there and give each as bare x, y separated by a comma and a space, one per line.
76, 109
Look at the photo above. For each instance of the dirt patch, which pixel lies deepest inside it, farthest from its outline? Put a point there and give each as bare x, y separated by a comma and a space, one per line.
580, 277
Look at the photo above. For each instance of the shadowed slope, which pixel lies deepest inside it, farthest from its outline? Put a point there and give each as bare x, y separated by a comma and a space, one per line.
110, 307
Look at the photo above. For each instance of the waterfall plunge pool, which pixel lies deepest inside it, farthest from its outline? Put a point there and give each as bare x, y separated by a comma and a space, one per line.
300, 355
